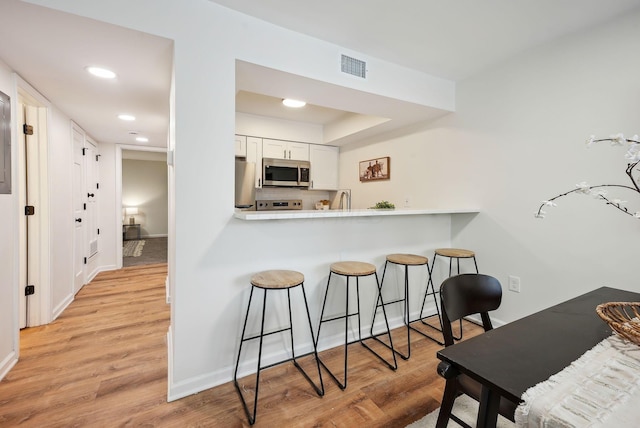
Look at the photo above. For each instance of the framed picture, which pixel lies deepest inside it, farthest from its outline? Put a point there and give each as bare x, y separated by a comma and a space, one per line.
375, 169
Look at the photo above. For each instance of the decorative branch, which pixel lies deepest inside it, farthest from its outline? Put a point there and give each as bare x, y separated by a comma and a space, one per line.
632, 155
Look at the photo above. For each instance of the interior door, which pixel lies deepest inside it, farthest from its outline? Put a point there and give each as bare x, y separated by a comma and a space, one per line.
78, 210
90, 160
22, 312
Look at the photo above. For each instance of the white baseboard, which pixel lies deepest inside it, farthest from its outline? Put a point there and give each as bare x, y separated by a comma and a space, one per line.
8, 363
61, 307
194, 385
154, 235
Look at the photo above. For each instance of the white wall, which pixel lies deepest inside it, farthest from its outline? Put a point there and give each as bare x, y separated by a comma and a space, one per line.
517, 138
521, 130
8, 262
212, 265
265, 127
108, 219
144, 184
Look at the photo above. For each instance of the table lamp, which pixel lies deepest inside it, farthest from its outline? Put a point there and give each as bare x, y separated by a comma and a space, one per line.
131, 211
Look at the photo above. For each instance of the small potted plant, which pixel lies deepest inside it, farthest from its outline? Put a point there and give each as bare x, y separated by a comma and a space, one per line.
384, 205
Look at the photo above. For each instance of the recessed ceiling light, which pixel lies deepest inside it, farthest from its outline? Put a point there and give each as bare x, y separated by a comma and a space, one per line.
142, 139
127, 117
293, 103
101, 72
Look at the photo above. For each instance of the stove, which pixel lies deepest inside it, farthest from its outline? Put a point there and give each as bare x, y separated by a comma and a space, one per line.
278, 204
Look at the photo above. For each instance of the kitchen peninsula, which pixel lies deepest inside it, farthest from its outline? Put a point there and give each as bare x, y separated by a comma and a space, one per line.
300, 214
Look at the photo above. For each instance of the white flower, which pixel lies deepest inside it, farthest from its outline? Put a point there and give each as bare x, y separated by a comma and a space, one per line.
636, 214
549, 203
633, 154
599, 194
539, 214
617, 140
634, 138
583, 187
590, 140
618, 202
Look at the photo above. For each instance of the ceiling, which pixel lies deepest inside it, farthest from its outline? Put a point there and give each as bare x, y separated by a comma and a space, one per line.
447, 39
54, 60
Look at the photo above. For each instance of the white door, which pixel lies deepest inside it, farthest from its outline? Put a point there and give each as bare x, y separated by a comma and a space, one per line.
30, 227
78, 210
33, 188
24, 250
90, 160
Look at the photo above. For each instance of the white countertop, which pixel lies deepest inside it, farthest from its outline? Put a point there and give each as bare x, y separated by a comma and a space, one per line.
293, 214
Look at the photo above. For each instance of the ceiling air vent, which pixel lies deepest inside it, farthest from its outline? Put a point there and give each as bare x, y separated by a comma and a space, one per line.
354, 66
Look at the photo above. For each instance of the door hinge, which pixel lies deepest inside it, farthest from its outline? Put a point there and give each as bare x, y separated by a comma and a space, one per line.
85, 260
29, 290
27, 129
97, 156
29, 210
84, 150
85, 206
98, 231
97, 185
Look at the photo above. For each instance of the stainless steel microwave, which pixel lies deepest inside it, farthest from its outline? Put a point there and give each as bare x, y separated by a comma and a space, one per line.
285, 173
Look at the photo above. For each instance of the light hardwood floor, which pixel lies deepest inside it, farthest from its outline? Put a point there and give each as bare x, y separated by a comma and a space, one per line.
103, 363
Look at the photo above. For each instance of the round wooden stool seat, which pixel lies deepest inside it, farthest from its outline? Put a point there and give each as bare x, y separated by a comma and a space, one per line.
353, 268
407, 259
277, 279
455, 253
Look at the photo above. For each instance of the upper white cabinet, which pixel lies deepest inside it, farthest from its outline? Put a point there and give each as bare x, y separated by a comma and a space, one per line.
241, 146
324, 167
279, 149
254, 154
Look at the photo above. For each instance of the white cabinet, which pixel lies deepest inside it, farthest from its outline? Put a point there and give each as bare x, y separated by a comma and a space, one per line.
324, 167
241, 146
279, 149
254, 154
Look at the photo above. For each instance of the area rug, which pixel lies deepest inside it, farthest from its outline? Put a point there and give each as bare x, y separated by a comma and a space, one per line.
466, 408
132, 248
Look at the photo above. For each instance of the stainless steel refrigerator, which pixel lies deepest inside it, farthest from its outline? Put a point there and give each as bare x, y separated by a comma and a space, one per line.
245, 184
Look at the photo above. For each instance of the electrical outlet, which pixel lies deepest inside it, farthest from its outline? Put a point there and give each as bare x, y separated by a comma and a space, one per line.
514, 283
407, 201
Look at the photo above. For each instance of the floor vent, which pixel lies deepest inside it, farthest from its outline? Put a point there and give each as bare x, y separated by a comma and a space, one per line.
354, 66
93, 247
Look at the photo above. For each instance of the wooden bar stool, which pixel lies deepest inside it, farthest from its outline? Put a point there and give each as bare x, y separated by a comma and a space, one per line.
353, 269
274, 280
407, 260
453, 254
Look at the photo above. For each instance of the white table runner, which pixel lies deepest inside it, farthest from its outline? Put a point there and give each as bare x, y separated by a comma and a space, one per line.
600, 389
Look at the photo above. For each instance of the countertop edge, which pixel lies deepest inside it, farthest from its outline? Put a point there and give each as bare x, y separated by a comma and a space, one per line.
302, 214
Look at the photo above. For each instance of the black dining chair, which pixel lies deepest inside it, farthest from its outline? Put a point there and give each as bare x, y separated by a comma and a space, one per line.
463, 295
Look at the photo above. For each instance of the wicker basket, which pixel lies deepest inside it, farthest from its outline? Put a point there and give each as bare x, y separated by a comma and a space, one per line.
623, 318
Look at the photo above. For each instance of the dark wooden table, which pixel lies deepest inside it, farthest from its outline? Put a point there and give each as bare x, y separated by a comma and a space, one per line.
509, 360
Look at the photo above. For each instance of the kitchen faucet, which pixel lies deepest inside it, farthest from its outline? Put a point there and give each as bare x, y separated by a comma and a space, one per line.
342, 198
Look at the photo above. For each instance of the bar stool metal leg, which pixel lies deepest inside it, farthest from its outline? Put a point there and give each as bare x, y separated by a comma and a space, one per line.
459, 337
393, 366
267, 284
406, 317
346, 316
251, 415
319, 390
